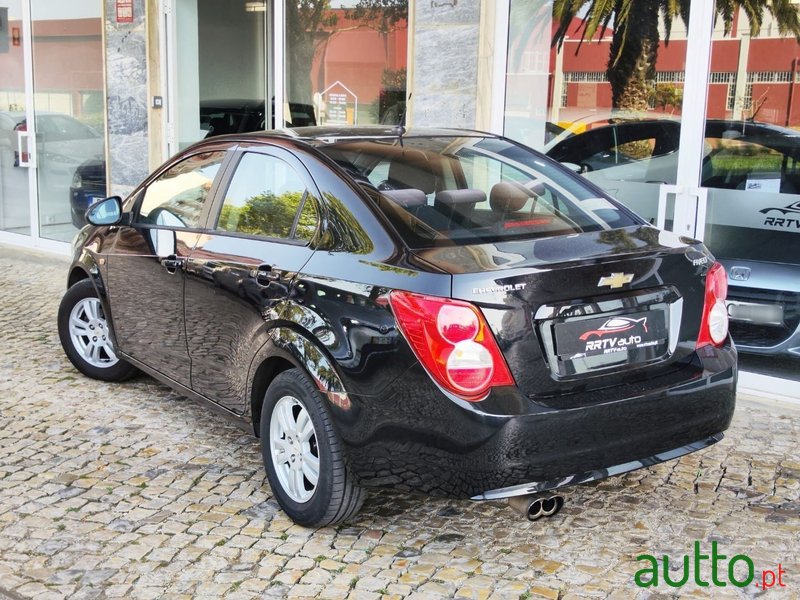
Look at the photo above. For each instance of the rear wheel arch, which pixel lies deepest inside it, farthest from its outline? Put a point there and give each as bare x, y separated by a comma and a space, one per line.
303, 456
287, 349
266, 372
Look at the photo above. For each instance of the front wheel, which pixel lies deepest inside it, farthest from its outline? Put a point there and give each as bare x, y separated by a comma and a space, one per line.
303, 457
86, 336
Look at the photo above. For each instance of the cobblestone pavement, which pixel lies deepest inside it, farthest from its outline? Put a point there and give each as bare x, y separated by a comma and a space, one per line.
132, 491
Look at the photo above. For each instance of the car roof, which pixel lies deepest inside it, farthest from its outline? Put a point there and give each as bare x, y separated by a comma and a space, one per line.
749, 127
321, 135
325, 135
772, 136
713, 126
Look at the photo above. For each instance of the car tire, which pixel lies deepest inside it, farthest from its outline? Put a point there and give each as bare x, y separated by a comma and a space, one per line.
86, 335
299, 445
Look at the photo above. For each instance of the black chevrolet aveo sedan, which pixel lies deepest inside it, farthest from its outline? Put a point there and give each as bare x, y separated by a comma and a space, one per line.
441, 310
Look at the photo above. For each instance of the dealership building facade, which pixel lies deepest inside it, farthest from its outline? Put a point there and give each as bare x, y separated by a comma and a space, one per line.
100, 92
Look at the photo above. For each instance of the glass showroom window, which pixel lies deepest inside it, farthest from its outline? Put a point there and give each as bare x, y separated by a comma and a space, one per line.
618, 125
69, 115
751, 166
211, 97
15, 216
346, 65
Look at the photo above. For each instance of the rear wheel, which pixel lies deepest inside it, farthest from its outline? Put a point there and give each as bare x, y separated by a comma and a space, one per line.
302, 454
86, 335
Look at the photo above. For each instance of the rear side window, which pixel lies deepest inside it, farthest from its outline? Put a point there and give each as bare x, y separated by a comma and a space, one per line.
264, 199
176, 198
472, 190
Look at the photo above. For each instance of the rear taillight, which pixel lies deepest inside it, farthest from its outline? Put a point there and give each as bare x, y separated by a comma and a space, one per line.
714, 326
453, 342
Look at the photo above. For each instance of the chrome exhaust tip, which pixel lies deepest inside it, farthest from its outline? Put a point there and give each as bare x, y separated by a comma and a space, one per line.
535, 506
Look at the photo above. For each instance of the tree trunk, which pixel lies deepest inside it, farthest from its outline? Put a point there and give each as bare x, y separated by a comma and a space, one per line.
631, 64
301, 44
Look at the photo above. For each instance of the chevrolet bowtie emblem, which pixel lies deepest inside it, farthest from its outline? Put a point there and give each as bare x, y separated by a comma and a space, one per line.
615, 280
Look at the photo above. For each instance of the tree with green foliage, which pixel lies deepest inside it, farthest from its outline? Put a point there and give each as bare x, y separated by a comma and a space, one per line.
309, 23
663, 95
265, 214
636, 36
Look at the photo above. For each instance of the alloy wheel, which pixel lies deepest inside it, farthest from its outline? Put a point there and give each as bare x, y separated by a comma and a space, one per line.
88, 330
294, 450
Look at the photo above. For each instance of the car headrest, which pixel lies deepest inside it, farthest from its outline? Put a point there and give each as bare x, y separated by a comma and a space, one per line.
456, 198
412, 169
406, 198
507, 197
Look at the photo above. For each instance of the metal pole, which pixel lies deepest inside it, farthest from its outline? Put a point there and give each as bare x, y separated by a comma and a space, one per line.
791, 93
693, 121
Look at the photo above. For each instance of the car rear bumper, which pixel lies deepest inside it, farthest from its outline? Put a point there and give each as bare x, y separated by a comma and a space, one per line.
456, 451
534, 487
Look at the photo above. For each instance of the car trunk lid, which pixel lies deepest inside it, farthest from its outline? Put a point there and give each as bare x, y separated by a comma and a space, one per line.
585, 311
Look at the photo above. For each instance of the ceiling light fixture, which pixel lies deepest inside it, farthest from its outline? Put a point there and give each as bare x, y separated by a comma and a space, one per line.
258, 6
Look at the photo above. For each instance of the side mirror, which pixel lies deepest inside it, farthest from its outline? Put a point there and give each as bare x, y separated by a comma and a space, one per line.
105, 212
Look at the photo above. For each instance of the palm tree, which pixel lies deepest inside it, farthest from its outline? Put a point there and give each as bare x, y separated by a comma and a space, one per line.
636, 36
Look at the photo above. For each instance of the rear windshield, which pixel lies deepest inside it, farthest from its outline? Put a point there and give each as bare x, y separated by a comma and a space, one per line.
442, 191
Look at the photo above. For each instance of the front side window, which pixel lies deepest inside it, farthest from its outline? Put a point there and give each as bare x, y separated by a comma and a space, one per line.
176, 198
263, 199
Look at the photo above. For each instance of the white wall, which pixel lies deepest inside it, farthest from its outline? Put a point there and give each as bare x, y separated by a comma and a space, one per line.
232, 50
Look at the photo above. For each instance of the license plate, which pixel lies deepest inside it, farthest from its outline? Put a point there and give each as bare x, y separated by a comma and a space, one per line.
94, 200
610, 334
758, 314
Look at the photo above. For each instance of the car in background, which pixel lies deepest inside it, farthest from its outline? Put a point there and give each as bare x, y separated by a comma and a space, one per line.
88, 187
61, 139
436, 310
9, 121
219, 117
752, 233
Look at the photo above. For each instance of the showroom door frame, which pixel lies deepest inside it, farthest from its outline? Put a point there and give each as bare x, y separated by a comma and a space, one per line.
168, 47
34, 240
690, 197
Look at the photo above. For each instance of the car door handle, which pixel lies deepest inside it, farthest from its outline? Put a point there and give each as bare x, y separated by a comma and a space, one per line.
264, 275
172, 263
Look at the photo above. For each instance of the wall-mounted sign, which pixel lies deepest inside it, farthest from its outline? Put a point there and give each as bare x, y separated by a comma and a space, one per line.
337, 108
341, 105
124, 11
